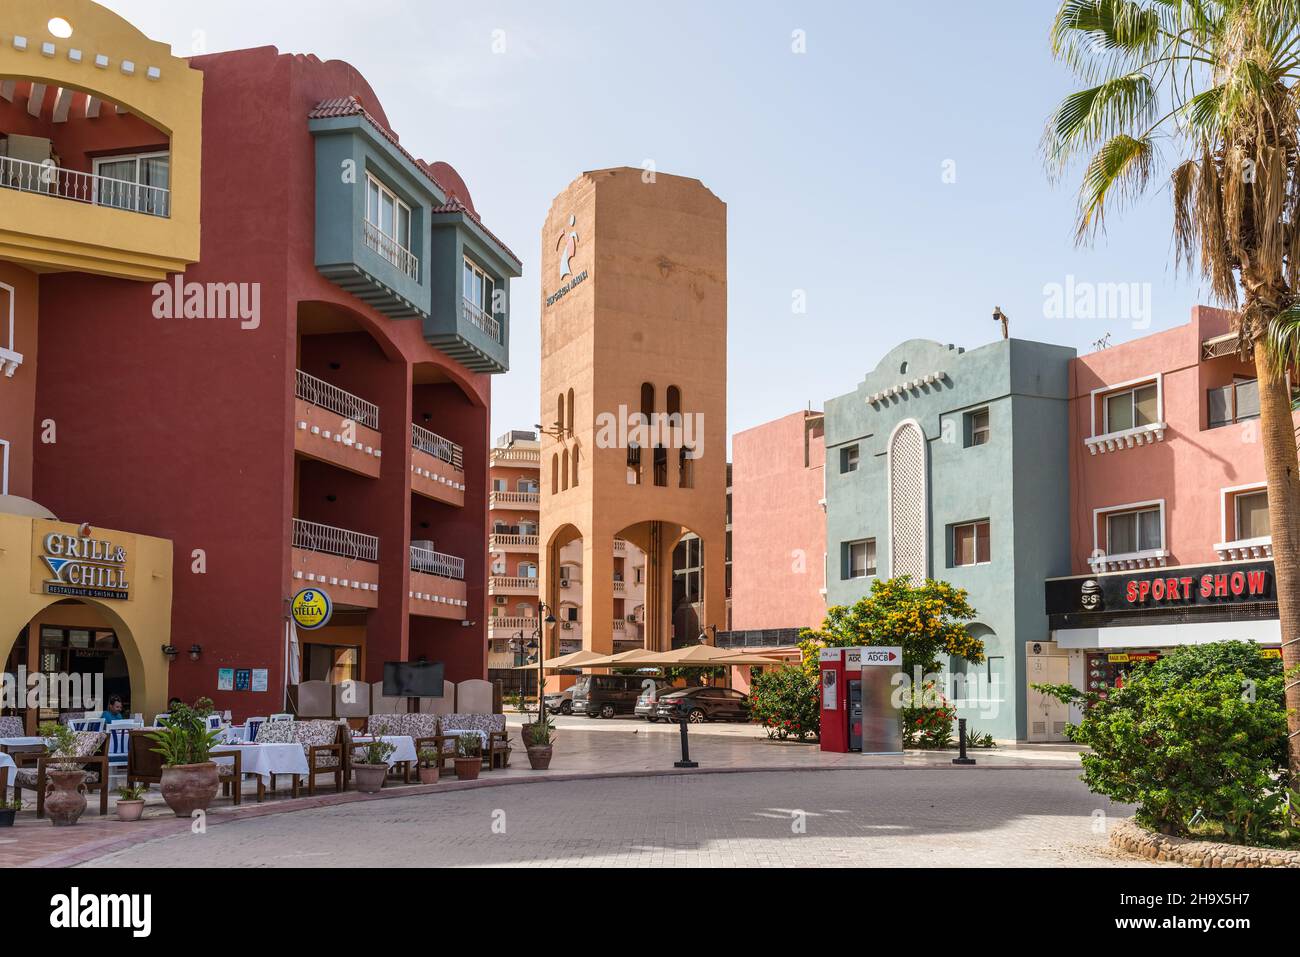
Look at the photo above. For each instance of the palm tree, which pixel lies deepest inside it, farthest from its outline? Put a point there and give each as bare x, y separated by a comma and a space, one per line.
1205, 91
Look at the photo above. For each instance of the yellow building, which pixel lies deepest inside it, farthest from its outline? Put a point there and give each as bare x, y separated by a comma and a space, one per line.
634, 385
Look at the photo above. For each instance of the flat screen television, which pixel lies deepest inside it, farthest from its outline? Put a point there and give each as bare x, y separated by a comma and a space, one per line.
412, 679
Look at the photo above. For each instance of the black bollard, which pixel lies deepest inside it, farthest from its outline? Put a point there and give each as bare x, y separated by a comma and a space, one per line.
961, 732
686, 761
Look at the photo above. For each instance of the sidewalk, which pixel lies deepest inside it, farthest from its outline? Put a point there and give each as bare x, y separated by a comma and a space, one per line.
606, 749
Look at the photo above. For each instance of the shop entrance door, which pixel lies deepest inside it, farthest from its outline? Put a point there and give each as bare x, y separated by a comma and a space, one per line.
1045, 717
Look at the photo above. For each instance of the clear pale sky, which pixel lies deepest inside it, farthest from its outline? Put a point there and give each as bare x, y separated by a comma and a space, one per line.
831, 161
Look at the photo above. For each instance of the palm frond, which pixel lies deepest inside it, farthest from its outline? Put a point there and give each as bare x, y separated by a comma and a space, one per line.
1095, 114
1118, 173
1281, 338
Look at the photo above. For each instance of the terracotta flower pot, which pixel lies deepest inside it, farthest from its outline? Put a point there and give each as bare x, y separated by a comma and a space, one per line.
429, 775
467, 768
189, 787
539, 756
64, 802
130, 810
370, 777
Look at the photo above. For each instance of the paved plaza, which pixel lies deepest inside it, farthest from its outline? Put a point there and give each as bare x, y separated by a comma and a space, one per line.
917, 817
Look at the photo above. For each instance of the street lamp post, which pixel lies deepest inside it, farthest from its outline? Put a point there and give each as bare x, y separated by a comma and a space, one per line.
547, 617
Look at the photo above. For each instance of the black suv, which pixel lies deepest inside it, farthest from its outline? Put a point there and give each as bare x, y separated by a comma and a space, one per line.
703, 704
606, 695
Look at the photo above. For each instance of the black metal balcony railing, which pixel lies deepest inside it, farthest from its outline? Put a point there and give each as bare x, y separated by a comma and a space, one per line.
435, 445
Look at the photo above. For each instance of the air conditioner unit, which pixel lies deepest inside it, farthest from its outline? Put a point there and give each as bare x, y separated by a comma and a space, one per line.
501, 599
564, 583
566, 625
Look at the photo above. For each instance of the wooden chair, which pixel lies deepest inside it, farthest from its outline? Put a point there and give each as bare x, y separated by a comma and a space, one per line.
230, 775
323, 743
92, 757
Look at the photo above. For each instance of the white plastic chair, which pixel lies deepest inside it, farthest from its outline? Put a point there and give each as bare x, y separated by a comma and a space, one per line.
119, 740
213, 722
251, 726
282, 716
86, 724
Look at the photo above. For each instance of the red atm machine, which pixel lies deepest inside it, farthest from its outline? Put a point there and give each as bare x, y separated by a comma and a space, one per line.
841, 704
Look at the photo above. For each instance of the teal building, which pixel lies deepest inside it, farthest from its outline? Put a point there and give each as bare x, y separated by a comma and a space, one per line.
954, 465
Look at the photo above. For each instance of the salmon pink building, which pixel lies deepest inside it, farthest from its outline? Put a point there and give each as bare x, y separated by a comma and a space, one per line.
1169, 511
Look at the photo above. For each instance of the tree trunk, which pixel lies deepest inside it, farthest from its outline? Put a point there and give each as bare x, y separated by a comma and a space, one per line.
1277, 432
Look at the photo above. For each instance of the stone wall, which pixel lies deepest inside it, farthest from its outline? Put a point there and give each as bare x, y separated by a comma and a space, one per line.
1129, 836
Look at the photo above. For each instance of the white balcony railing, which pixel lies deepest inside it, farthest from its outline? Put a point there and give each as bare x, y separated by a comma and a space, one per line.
1126, 438
50, 180
521, 623
336, 400
435, 445
391, 249
437, 563
315, 537
527, 456
499, 540
503, 582
477, 317
1244, 548
514, 498
1148, 558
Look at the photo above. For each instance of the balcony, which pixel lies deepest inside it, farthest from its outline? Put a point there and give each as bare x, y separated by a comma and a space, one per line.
1245, 548
419, 277
437, 467
340, 562
515, 500
504, 626
1150, 558
335, 426
508, 585
513, 543
1126, 439
437, 584
66, 103
522, 457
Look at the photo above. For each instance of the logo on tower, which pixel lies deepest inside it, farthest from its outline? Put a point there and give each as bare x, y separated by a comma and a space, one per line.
567, 246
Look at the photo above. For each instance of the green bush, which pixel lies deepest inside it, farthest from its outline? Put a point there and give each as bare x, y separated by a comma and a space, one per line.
1198, 735
927, 719
785, 702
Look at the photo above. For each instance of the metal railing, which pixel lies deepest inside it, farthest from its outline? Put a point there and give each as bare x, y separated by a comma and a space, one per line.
477, 317
50, 180
315, 537
437, 446
331, 397
437, 563
391, 249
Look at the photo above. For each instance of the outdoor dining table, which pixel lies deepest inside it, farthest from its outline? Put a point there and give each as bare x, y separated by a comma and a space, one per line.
403, 746
267, 760
32, 741
7, 764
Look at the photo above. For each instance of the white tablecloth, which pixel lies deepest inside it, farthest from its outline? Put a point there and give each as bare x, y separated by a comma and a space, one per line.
235, 733
403, 747
8, 762
21, 742
267, 759
457, 732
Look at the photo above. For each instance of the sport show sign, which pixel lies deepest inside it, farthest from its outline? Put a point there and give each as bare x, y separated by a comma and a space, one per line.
80, 562
1192, 586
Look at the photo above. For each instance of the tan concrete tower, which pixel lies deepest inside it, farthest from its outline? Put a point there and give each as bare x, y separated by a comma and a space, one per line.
634, 389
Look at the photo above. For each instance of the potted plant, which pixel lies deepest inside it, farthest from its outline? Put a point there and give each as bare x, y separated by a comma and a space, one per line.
540, 741
428, 766
189, 775
372, 769
64, 801
469, 756
8, 811
130, 801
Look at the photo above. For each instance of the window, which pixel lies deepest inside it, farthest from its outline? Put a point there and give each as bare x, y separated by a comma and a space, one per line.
1252, 515
970, 544
555, 473
139, 183
633, 464
848, 459
479, 288
977, 428
661, 465
1132, 408
673, 402
685, 468
570, 613
527, 485
1135, 531
498, 485
860, 558
527, 570
4, 467
388, 230
1233, 403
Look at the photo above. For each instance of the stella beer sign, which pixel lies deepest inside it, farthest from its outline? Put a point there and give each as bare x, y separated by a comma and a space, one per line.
80, 562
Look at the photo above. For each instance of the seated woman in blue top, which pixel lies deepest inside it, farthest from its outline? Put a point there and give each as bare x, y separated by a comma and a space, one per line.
116, 711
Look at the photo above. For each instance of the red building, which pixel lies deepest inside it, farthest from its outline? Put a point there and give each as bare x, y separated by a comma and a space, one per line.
304, 406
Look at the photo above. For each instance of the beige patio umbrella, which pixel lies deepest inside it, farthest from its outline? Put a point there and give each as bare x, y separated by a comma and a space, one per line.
702, 655
742, 659
575, 659
625, 659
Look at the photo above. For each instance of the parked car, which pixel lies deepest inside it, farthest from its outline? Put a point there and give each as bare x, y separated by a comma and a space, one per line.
703, 704
604, 696
648, 701
560, 702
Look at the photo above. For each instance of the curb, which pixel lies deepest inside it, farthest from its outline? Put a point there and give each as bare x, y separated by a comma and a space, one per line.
229, 815
1133, 839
